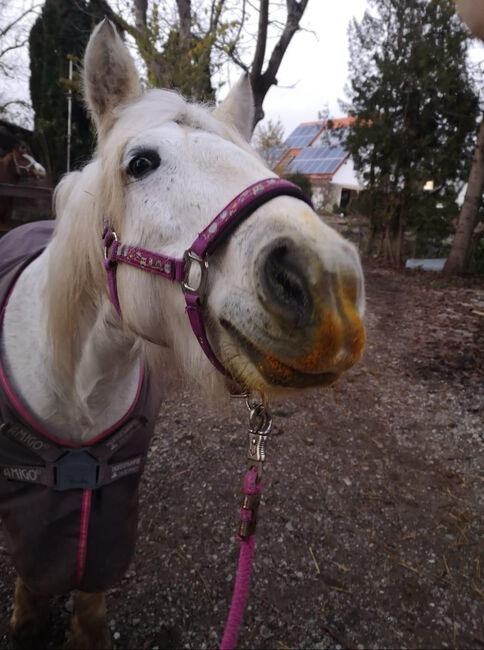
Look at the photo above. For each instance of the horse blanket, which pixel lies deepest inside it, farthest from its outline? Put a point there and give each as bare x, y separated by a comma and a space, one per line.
69, 513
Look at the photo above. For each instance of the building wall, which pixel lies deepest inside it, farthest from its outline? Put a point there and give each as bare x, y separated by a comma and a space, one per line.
325, 194
328, 190
345, 176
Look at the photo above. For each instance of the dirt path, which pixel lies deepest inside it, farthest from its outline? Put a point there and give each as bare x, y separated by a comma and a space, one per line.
370, 520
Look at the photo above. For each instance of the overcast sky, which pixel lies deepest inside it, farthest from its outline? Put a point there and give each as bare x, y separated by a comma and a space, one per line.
314, 70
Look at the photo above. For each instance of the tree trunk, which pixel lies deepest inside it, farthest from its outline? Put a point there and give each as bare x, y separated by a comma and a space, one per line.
140, 11
371, 239
393, 242
185, 14
458, 259
262, 81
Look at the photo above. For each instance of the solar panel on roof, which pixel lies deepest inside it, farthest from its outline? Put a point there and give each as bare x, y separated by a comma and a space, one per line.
303, 135
318, 160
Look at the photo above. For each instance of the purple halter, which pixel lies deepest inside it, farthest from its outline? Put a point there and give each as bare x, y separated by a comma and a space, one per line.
207, 241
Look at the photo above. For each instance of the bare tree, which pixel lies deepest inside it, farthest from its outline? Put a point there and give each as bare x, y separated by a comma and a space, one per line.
184, 52
281, 18
472, 13
268, 139
15, 21
183, 49
263, 74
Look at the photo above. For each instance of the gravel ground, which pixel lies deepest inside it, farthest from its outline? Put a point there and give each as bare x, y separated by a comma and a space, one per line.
370, 524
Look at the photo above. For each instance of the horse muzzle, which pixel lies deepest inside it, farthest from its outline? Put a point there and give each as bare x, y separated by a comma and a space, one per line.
312, 328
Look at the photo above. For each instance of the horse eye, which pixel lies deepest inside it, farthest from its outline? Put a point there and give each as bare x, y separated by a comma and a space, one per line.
143, 163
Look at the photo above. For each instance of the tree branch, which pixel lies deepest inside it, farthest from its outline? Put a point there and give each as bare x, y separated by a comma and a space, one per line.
18, 102
14, 22
140, 12
14, 46
294, 15
262, 81
215, 13
185, 14
260, 49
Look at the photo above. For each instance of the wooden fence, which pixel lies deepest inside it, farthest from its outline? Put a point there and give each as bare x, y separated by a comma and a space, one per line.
24, 191
31, 203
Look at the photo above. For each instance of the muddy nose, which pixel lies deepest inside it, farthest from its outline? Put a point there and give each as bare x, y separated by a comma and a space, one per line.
285, 293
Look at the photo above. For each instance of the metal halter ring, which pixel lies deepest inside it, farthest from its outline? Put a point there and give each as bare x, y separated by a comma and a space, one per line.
190, 258
260, 420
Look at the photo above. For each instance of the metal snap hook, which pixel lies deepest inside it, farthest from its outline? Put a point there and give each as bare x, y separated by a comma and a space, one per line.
260, 420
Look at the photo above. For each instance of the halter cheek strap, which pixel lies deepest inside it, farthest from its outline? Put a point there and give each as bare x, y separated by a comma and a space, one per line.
179, 270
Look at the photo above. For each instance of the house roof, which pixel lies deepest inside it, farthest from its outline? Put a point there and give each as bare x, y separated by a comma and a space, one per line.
336, 122
307, 132
318, 160
303, 135
311, 156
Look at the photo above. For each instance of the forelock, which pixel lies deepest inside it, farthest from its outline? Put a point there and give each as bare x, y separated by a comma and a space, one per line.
155, 108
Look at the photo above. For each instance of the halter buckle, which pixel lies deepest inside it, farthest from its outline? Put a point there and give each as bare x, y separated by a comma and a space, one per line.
190, 258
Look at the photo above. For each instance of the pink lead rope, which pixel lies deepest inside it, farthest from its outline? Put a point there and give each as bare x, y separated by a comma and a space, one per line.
252, 492
178, 270
260, 423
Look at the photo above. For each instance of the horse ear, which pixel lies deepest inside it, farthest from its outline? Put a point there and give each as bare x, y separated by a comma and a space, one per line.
238, 107
110, 76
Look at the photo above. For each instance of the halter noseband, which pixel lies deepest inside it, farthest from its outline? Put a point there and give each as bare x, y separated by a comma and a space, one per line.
18, 167
208, 240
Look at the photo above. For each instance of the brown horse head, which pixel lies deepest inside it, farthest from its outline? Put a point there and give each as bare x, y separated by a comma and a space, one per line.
18, 161
14, 164
25, 163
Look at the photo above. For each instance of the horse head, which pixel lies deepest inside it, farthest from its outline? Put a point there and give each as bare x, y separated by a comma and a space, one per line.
284, 297
25, 163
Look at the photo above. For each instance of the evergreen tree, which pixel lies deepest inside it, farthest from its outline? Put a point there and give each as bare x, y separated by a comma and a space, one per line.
61, 32
416, 112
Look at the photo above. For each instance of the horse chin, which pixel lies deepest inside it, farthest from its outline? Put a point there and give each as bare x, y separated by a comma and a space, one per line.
274, 372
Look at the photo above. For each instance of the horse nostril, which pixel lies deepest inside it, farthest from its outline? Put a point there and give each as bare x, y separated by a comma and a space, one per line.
284, 286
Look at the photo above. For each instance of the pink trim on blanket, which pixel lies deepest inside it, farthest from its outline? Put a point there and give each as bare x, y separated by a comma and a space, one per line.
83, 531
30, 419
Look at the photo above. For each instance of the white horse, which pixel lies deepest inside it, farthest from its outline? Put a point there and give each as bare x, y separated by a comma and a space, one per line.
282, 304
